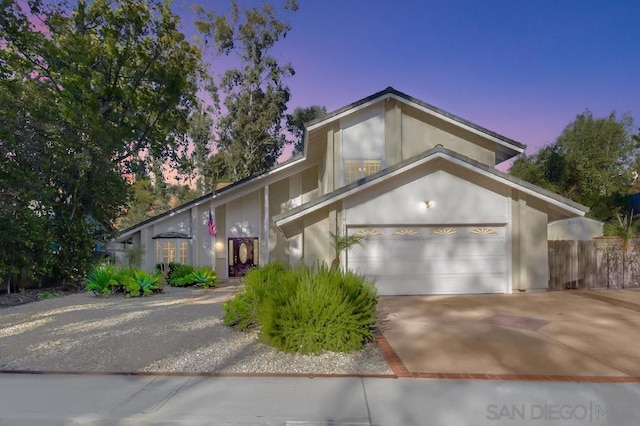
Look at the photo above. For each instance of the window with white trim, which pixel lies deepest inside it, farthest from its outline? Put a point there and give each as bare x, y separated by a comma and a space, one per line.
358, 169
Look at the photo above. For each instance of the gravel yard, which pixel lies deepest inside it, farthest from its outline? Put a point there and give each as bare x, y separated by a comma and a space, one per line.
178, 331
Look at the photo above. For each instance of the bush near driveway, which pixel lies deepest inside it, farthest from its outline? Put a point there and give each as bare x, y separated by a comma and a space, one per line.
105, 280
181, 275
306, 310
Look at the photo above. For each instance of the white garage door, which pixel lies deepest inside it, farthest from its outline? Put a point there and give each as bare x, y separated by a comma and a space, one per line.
432, 260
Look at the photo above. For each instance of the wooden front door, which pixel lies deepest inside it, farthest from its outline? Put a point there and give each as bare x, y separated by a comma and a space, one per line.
242, 255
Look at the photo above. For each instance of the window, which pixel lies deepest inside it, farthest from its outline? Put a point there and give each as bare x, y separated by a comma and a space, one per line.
166, 251
183, 251
172, 251
357, 169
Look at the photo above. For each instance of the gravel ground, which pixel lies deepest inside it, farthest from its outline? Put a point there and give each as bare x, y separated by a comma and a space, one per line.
177, 331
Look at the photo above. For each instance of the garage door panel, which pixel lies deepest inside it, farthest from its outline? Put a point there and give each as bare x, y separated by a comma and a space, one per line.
428, 260
454, 267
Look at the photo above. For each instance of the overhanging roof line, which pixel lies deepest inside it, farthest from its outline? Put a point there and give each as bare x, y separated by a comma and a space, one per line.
554, 200
236, 186
392, 93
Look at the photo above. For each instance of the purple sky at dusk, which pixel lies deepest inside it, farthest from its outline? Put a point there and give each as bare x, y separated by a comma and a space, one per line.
523, 69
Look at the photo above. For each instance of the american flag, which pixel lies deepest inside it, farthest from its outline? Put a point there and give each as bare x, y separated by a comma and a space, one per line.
212, 225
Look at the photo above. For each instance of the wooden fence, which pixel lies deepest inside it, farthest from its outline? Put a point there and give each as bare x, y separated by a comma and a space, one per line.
600, 263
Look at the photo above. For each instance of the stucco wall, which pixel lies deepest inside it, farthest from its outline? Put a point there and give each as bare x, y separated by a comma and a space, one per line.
202, 242
317, 247
278, 203
422, 131
220, 247
243, 216
180, 222
401, 200
530, 265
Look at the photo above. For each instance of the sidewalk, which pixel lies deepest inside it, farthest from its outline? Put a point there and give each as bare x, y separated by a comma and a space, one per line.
27, 399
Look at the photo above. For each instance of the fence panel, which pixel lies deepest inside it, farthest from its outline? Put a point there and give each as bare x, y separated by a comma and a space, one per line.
600, 263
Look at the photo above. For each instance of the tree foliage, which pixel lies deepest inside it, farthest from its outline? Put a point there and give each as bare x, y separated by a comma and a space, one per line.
296, 121
593, 162
250, 128
98, 87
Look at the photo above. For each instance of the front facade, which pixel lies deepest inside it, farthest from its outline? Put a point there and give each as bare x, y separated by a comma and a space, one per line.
418, 183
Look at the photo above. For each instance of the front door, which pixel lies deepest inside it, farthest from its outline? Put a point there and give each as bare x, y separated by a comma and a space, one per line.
242, 255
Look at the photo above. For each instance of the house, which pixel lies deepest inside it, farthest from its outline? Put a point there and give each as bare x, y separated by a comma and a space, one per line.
418, 183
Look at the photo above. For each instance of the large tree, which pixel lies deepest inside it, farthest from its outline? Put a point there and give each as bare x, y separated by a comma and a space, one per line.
119, 80
250, 127
593, 161
296, 121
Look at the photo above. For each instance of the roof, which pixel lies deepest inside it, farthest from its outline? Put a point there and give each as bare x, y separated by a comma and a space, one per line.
210, 196
437, 152
507, 143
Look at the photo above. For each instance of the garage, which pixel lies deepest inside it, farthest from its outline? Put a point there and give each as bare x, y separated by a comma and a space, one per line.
432, 259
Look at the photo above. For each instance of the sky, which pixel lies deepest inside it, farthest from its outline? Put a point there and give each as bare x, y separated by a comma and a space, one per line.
524, 69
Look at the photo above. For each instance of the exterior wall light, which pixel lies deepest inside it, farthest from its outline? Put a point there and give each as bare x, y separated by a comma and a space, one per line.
429, 203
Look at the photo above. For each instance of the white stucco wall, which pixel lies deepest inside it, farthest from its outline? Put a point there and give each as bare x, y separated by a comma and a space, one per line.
455, 201
363, 133
243, 216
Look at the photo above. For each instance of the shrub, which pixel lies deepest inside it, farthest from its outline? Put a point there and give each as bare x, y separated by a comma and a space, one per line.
306, 310
204, 277
141, 283
102, 280
178, 271
241, 311
106, 280
186, 275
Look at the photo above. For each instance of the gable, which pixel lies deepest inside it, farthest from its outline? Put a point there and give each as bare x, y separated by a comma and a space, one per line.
408, 127
451, 200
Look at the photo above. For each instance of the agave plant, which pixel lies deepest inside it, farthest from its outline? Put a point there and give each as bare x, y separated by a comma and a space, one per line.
102, 280
201, 277
142, 283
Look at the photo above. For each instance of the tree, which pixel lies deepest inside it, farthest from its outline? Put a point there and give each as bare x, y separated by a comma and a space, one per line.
250, 131
119, 80
296, 122
592, 162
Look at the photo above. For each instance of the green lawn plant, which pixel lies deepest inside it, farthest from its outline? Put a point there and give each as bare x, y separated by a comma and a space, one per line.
106, 280
181, 275
103, 280
307, 310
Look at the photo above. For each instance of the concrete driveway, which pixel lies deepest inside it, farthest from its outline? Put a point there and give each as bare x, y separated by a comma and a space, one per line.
580, 333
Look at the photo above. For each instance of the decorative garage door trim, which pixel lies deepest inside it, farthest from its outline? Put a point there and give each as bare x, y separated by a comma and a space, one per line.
433, 259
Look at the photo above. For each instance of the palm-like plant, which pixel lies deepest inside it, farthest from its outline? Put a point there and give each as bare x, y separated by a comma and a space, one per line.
626, 228
341, 244
102, 280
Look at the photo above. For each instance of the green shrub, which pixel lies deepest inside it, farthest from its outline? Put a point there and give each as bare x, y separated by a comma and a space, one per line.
306, 310
102, 280
107, 279
141, 283
178, 271
187, 275
241, 311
